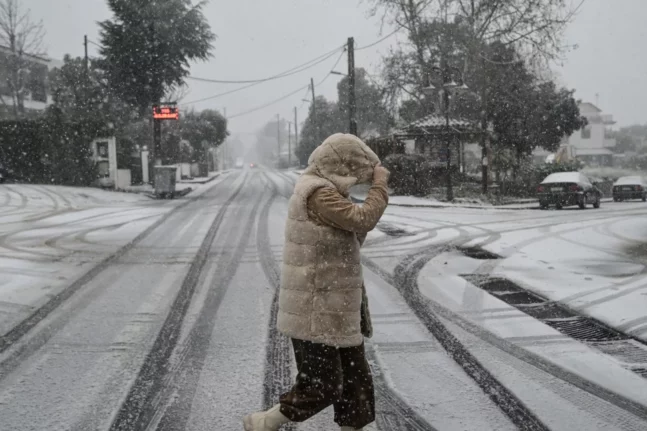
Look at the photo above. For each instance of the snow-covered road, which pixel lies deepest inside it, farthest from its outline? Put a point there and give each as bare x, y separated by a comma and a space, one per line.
118, 312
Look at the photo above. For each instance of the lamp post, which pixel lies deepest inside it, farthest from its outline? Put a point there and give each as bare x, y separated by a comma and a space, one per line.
451, 79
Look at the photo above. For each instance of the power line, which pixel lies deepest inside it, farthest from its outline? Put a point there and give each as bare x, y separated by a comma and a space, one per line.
379, 40
292, 71
307, 87
215, 96
94, 43
331, 69
258, 108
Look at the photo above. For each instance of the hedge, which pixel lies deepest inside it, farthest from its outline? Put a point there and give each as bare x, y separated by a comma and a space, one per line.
49, 150
415, 174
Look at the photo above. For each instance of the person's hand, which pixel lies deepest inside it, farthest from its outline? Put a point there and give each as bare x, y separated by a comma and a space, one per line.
381, 174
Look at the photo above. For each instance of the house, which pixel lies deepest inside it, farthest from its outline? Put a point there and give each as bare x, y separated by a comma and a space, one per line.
37, 96
591, 144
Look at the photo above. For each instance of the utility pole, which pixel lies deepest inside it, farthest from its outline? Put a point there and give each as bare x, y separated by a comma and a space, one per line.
352, 104
314, 114
224, 148
296, 132
278, 140
289, 141
86, 61
157, 141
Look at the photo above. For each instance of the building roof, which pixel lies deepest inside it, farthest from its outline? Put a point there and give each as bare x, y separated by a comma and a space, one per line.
589, 105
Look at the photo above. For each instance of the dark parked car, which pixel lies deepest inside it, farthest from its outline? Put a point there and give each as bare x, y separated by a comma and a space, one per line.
568, 188
629, 188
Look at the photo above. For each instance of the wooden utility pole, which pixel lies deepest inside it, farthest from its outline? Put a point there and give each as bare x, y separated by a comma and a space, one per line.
85, 58
314, 114
296, 132
278, 140
352, 104
289, 141
224, 148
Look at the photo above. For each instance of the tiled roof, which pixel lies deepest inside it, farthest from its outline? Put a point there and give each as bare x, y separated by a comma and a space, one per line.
434, 121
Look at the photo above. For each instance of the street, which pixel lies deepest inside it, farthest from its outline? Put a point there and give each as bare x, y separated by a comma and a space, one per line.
124, 313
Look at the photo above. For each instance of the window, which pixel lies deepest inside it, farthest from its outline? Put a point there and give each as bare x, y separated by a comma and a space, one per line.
586, 132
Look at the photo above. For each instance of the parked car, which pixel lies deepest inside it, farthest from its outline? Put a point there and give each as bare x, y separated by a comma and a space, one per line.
568, 188
239, 163
632, 187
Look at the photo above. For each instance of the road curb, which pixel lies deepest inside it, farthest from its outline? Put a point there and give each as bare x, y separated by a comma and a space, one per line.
490, 207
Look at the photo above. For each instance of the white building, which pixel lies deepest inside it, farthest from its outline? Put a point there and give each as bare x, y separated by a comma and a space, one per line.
37, 96
591, 144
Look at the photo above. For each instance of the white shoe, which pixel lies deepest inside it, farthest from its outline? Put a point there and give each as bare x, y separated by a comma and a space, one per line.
269, 420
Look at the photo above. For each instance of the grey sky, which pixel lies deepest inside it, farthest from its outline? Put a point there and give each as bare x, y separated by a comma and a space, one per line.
258, 38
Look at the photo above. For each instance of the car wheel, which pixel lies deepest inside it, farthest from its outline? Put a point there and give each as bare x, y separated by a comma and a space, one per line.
543, 206
558, 206
644, 196
582, 202
615, 199
597, 203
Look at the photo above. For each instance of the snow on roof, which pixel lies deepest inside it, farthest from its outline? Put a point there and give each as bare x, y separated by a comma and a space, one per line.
434, 122
634, 179
565, 177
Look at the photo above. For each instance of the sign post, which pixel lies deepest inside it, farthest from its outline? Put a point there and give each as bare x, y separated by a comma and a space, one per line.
162, 112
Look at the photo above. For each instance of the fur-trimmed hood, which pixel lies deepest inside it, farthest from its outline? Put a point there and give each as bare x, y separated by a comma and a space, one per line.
344, 160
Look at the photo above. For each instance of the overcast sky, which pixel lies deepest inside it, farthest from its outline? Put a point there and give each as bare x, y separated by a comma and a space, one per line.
259, 38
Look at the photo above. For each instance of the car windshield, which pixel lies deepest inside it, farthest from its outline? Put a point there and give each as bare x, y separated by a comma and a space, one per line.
315, 215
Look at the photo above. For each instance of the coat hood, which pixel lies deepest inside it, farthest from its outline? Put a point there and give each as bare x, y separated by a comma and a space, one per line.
344, 160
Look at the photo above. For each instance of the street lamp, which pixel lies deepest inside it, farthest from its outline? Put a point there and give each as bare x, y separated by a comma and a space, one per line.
451, 79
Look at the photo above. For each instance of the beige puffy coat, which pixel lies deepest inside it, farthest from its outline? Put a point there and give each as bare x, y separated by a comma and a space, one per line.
321, 283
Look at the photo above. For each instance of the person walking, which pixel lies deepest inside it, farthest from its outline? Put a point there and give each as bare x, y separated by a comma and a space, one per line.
323, 305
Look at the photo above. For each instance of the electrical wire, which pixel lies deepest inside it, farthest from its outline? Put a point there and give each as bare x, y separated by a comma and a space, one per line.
379, 40
292, 71
215, 96
331, 69
306, 87
258, 108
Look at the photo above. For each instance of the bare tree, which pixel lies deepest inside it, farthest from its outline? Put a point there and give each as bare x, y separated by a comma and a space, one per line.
21, 39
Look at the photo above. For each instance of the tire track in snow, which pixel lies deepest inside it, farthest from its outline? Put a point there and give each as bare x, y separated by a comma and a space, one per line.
139, 406
170, 409
278, 356
25, 326
405, 280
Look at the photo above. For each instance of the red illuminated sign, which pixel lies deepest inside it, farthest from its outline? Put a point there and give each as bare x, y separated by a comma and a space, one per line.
166, 112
